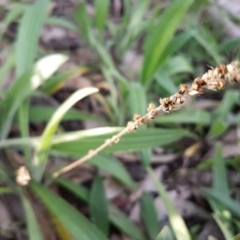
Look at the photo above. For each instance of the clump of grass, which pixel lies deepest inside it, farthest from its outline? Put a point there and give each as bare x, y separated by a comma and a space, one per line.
214, 79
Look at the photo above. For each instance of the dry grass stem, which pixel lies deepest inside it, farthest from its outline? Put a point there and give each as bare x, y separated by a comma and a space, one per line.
214, 79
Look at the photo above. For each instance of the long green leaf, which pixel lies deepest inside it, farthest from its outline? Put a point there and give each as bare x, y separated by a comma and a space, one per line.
149, 215
118, 218
194, 116
24, 86
43, 114
32, 224
166, 234
101, 8
27, 38
142, 139
159, 37
220, 182
41, 154
73, 221
229, 203
177, 223
99, 206
115, 168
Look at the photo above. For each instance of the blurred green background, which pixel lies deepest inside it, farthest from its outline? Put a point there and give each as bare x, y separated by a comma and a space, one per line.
72, 74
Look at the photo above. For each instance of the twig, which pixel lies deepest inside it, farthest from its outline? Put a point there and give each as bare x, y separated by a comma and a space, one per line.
214, 79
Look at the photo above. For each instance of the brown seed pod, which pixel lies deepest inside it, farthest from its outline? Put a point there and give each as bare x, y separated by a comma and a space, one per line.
183, 89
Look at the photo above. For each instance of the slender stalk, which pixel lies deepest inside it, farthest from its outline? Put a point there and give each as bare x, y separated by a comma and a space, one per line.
213, 79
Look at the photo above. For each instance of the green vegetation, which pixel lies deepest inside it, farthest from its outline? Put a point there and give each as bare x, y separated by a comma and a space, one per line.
171, 45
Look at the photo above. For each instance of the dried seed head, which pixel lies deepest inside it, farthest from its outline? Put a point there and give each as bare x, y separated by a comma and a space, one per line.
152, 114
183, 89
198, 85
131, 126
136, 116
23, 177
143, 121
216, 84
220, 71
151, 107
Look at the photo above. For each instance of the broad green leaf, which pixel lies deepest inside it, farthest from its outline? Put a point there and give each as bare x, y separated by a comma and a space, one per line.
159, 37
229, 203
166, 234
114, 167
73, 221
99, 206
43, 114
218, 127
194, 116
118, 218
178, 225
28, 35
141, 139
41, 154
101, 14
32, 224
149, 216
25, 85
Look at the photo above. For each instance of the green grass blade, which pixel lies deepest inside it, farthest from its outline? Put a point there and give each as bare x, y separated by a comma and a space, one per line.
27, 38
191, 116
177, 223
117, 218
229, 203
43, 114
142, 139
122, 222
137, 99
166, 234
41, 154
99, 206
149, 216
223, 226
61, 22
12, 15
5, 190
218, 127
72, 220
84, 22
6, 66
207, 45
115, 168
24, 86
220, 182
101, 14
32, 224
159, 37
